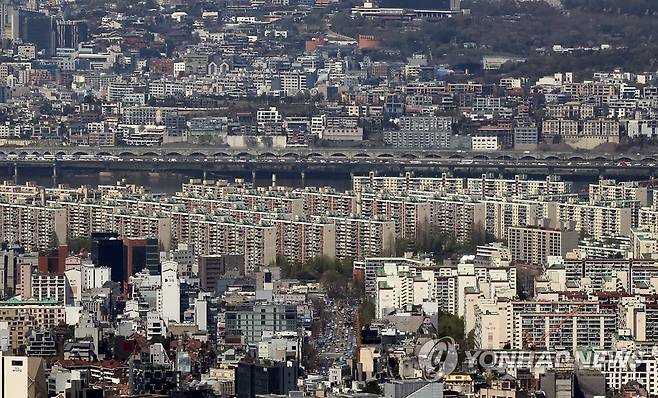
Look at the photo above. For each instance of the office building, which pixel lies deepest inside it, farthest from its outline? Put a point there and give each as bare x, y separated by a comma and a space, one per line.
107, 251
70, 34
213, 267
250, 321
33, 27
141, 254
170, 293
262, 378
22, 377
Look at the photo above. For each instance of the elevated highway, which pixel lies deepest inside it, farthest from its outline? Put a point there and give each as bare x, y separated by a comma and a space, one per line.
208, 163
301, 153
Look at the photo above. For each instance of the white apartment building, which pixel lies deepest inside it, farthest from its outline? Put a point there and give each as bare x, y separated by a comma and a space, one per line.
485, 143
51, 287
358, 238
619, 373
596, 221
397, 282
611, 191
396, 287
93, 277
443, 184
533, 245
543, 325
409, 213
516, 187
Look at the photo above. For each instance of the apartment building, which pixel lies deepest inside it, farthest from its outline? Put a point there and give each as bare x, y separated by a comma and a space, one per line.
490, 329
84, 217
370, 266
139, 225
409, 214
516, 187
596, 221
35, 227
328, 202
627, 273
205, 189
51, 287
209, 235
358, 238
503, 213
586, 134
395, 283
24, 316
644, 244
271, 200
552, 128
443, 184
647, 219
611, 191
559, 324
300, 241
619, 374
571, 110
458, 217
485, 143
396, 287
533, 245
430, 139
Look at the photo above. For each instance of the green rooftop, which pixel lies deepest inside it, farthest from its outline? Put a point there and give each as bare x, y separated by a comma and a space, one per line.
17, 300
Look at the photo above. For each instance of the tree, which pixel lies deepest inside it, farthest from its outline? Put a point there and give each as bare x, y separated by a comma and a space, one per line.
310, 357
54, 242
450, 325
334, 283
366, 313
78, 244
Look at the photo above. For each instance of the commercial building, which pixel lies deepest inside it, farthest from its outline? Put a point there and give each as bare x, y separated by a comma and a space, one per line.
107, 251
22, 377
261, 378
70, 34
213, 267
250, 321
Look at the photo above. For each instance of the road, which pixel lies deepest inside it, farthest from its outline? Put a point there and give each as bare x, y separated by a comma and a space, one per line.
338, 341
